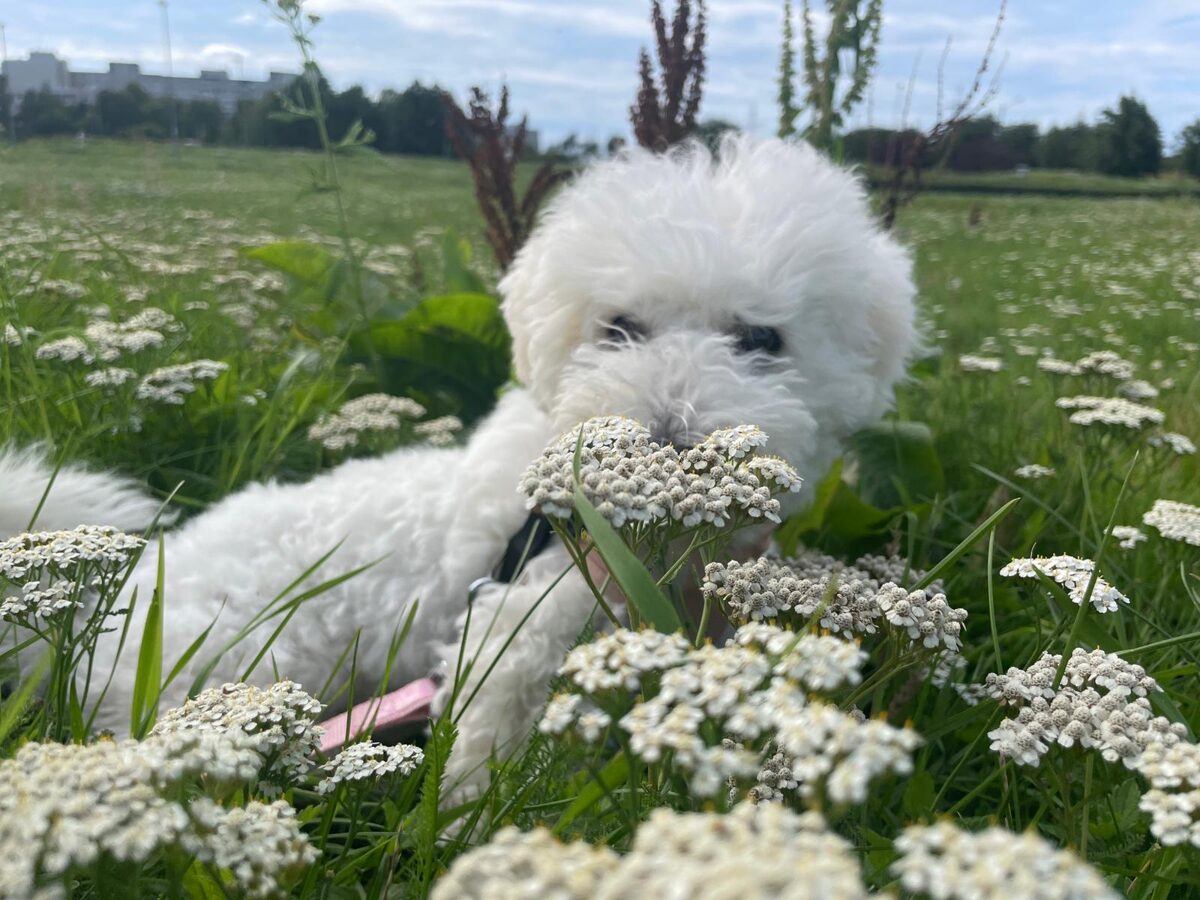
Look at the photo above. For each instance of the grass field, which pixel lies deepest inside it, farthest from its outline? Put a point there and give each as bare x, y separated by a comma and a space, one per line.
1027, 302
1064, 183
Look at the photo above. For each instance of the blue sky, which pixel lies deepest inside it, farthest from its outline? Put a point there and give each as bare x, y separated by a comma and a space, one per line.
571, 64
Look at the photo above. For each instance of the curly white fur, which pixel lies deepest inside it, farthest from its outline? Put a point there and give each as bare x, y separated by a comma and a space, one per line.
690, 248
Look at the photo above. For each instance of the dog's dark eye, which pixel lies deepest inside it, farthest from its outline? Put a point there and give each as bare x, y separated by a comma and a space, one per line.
623, 329
758, 339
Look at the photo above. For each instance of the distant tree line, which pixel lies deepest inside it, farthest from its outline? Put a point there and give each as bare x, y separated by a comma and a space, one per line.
410, 121
1125, 141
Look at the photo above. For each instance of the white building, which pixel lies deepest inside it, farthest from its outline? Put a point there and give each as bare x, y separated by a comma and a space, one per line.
45, 71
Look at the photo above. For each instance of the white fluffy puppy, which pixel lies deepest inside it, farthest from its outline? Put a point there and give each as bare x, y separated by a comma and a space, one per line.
687, 292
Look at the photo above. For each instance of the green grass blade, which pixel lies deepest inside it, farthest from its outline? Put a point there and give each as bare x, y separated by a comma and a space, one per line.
638, 585
11, 709
967, 543
148, 678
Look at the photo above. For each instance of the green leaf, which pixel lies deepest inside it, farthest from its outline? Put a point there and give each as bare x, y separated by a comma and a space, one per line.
918, 796
610, 777
848, 518
457, 275
787, 536
306, 262
12, 708
452, 353
198, 883
638, 585
898, 464
1120, 813
148, 679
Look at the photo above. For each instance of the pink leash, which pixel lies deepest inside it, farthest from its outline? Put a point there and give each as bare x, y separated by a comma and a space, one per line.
407, 704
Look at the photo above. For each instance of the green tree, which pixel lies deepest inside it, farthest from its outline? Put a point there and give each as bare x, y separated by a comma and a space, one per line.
1021, 141
43, 114
200, 120
1189, 149
1129, 141
1068, 147
854, 30
787, 76
413, 121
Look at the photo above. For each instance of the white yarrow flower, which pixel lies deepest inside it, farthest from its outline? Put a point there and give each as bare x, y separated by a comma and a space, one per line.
994, 864
1034, 471
1175, 521
1074, 574
367, 761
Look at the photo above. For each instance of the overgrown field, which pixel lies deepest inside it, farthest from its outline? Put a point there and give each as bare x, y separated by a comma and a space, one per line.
191, 320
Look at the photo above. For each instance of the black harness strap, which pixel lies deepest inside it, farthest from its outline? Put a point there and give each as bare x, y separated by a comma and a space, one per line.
534, 537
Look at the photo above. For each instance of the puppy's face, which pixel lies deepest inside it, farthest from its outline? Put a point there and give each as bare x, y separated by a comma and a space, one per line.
693, 295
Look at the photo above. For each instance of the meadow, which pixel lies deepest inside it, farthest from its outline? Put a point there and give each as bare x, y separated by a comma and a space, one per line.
194, 318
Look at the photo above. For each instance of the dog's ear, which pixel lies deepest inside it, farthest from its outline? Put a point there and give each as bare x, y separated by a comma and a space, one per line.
542, 307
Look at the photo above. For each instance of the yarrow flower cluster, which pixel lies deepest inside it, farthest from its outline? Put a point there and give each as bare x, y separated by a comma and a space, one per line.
1057, 366
1138, 390
113, 376
1100, 703
753, 687
107, 341
439, 432
517, 864
1034, 471
1110, 411
1173, 800
849, 600
1106, 362
67, 349
695, 855
67, 806
631, 478
1128, 536
970, 362
994, 864
1179, 444
370, 413
1175, 521
171, 385
259, 843
1074, 574
278, 722
113, 339
367, 761
53, 568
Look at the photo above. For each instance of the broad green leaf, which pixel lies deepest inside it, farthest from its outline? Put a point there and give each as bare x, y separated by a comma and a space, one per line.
848, 518
897, 464
457, 275
918, 796
452, 353
198, 883
787, 536
302, 260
